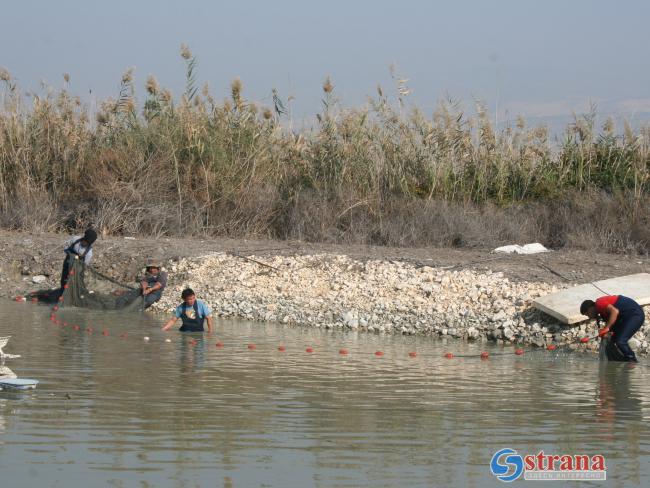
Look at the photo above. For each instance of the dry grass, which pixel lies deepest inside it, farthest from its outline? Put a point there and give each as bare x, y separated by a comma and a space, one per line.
375, 174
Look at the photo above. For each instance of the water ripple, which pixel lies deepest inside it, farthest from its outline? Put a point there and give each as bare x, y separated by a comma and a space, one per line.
184, 413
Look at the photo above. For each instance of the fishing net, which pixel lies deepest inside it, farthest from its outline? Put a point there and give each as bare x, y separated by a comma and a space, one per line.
608, 350
88, 288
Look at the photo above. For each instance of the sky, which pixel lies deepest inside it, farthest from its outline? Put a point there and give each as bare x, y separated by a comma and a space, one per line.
540, 59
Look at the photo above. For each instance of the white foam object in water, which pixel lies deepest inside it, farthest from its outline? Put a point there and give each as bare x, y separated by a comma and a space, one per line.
146, 339
534, 248
3, 343
7, 374
168, 340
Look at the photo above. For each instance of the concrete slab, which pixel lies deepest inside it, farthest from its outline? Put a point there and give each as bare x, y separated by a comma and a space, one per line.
565, 304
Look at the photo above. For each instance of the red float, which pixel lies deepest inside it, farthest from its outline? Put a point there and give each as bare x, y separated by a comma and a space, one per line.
379, 353
449, 355
584, 340
551, 347
309, 349
251, 346
105, 333
484, 355
343, 351
282, 348
519, 352
413, 354
219, 344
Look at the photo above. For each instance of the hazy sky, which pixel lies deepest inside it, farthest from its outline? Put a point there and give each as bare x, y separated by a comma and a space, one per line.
542, 58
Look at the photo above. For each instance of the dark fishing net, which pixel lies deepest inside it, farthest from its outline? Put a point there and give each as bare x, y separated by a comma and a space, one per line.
608, 350
88, 288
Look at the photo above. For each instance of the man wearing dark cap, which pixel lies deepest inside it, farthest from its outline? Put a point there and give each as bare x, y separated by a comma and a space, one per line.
623, 316
81, 248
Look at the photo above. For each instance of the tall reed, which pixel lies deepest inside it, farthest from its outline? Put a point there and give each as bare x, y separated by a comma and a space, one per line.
196, 165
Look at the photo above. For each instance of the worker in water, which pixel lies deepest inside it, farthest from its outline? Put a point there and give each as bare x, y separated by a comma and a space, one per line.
153, 282
192, 312
81, 247
623, 317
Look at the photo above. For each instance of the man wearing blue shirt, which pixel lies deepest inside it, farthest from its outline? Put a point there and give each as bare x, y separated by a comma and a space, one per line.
192, 312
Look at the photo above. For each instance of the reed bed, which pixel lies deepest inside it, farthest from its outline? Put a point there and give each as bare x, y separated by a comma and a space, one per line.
382, 173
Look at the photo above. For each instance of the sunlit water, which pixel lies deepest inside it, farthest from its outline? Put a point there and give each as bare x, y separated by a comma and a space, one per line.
113, 411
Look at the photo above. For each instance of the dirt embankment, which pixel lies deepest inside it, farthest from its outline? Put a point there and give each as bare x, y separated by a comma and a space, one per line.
24, 255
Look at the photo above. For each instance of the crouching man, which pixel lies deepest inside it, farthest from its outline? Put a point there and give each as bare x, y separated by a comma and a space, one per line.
192, 312
153, 283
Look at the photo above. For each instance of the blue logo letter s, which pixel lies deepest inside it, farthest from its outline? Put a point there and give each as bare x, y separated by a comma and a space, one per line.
512, 461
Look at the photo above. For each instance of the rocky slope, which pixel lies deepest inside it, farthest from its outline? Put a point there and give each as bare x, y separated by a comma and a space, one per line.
336, 291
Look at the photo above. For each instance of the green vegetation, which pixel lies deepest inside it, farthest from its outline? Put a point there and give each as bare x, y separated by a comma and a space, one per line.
378, 174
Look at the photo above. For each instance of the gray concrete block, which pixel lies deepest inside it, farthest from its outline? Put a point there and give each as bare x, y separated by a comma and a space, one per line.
565, 304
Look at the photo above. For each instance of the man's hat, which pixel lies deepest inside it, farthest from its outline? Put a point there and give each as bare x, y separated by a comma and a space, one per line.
153, 263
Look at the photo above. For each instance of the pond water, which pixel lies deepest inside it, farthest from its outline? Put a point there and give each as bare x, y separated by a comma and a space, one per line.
122, 411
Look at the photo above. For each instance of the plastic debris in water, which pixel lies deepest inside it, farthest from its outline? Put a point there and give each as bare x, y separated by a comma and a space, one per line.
18, 384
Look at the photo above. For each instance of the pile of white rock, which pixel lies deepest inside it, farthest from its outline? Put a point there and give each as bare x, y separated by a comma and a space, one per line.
335, 291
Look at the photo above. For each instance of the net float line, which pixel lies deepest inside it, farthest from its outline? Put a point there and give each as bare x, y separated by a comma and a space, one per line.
345, 352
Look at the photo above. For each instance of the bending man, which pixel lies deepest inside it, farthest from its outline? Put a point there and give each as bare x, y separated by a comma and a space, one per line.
80, 246
623, 317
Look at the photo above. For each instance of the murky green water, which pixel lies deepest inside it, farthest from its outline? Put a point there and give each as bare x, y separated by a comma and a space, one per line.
113, 411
